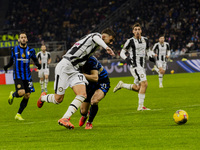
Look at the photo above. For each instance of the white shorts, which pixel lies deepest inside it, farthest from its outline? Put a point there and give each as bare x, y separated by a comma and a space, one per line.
67, 76
43, 72
161, 64
139, 74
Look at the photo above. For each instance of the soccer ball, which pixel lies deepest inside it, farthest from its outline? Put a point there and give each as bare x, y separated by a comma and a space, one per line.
180, 117
172, 71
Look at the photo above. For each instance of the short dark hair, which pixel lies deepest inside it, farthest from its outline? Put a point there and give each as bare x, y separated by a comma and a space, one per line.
109, 32
22, 32
161, 35
136, 25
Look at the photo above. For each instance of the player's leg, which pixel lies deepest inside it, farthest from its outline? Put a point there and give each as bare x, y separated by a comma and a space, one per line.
121, 84
155, 68
41, 76
99, 94
161, 73
24, 101
23, 105
46, 79
84, 112
96, 98
80, 91
20, 91
140, 76
60, 85
90, 89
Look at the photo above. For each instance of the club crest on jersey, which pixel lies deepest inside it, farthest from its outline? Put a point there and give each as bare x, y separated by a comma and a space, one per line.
23, 55
18, 86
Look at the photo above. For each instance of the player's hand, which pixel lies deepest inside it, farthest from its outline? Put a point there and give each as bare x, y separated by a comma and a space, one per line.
155, 55
40, 62
167, 56
110, 51
5, 69
128, 60
39, 66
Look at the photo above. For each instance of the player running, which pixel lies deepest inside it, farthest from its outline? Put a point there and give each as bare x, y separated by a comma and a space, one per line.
136, 48
97, 88
162, 53
44, 58
20, 59
67, 72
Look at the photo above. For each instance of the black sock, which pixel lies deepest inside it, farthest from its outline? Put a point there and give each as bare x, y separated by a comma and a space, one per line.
93, 112
23, 105
15, 94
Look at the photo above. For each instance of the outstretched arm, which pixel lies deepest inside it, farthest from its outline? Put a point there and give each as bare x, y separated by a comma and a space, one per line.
35, 60
100, 42
9, 64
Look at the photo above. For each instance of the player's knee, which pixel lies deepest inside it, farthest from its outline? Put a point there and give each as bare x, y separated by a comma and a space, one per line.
27, 95
94, 102
144, 84
21, 93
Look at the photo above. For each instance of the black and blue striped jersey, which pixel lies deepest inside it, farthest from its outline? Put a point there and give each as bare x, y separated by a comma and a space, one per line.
20, 59
93, 64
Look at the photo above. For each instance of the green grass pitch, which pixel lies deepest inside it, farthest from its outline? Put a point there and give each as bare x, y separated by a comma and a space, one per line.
118, 124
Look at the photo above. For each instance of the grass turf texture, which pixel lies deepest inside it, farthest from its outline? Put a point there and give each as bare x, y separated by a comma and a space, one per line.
117, 125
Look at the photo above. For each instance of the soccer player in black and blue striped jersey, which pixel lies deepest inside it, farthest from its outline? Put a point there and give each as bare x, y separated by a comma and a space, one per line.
97, 88
20, 59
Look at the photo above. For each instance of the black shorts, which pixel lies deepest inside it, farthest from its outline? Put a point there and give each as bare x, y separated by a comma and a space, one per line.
92, 87
22, 84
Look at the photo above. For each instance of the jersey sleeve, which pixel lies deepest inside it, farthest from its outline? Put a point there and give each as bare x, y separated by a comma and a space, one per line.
99, 41
147, 43
168, 48
127, 45
155, 47
10, 63
38, 56
49, 55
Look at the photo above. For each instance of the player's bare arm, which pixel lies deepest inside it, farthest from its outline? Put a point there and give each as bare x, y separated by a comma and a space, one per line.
110, 51
93, 76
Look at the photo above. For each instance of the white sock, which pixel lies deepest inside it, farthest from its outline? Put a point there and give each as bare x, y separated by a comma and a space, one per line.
160, 78
141, 100
50, 98
127, 86
41, 84
75, 104
46, 83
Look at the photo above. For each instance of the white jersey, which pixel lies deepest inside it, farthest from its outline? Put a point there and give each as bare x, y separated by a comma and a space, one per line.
44, 57
84, 48
137, 50
161, 50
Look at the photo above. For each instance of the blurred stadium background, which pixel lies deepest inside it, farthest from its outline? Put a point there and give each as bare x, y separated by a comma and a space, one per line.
59, 24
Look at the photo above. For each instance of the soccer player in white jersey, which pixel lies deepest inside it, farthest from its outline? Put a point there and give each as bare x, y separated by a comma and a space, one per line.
162, 52
67, 73
137, 48
44, 58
